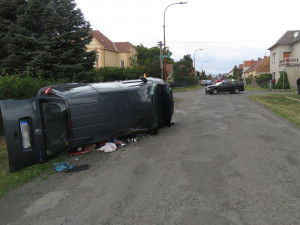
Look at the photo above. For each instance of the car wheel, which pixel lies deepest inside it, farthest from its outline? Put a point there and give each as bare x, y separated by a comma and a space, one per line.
215, 91
237, 91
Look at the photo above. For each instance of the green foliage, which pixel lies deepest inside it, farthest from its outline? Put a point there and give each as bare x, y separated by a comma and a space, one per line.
263, 80
279, 84
49, 37
148, 56
183, 72
237, 73
248, 80
117, 73
18, 87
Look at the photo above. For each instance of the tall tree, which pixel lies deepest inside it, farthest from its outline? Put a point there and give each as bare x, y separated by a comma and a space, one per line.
183, 71
150, 55
47, 36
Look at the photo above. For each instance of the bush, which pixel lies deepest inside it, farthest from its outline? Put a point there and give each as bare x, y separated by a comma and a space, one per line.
183, 81
18, 87
117, 73
248, 80
263, 80
279, 84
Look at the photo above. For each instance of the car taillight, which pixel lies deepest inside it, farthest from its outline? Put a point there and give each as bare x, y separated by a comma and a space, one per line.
25, 134
47, 90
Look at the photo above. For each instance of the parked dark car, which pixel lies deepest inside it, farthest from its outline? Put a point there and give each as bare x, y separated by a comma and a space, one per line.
69, 115
225, 86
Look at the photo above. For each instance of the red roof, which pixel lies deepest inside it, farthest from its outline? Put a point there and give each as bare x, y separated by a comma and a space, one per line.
257, 64
109, 45
123, 46
104, 41
249, 63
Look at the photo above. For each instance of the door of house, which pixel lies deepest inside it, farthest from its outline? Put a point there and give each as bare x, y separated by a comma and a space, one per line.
286, 56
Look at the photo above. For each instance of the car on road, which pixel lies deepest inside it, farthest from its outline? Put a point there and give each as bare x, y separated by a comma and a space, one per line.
225, 86
65, 116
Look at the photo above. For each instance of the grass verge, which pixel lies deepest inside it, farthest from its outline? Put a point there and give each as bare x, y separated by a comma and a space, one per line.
8, 180
285, 105
252, 88
188, 88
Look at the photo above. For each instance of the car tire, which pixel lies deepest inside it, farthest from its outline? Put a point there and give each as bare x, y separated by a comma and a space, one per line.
236, 91
215, 91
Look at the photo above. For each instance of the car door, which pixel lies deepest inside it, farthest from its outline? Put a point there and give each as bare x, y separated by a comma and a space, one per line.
23, 131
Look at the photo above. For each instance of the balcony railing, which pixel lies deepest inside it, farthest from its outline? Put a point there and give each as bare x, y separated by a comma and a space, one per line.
289, 61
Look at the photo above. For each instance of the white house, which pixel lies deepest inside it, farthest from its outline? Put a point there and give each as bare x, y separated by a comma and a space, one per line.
285, 55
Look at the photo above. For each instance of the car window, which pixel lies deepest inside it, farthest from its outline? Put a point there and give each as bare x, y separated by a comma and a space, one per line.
56, 125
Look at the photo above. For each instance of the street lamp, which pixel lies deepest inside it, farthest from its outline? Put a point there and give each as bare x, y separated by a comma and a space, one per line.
202, 65
195, 60
164, 26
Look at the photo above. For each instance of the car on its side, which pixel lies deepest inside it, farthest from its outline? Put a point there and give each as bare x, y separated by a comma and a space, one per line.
65, 116
225, 86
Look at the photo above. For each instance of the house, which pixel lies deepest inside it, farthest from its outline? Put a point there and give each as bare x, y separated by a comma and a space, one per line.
285, 54
261, 66
113, 54
247, 64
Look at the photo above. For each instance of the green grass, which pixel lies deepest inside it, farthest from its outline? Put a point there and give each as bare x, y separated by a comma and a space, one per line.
185, 89
282, 105
252, 88
8, 180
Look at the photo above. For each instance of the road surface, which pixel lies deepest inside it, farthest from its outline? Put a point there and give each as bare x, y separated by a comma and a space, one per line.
227, 160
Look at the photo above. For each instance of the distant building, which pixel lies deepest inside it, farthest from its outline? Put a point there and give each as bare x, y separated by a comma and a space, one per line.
285, 54
113, 54
261, 66
247, 64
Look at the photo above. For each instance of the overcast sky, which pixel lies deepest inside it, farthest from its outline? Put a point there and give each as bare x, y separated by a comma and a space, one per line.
229, 31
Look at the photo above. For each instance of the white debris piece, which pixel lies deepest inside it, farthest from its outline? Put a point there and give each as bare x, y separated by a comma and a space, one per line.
108, 147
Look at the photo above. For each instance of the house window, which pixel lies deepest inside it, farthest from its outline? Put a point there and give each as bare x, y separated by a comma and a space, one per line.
274, 57
122, 63
273, 75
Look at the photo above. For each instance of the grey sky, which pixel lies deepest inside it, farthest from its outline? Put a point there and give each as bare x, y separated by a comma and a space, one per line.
229, 31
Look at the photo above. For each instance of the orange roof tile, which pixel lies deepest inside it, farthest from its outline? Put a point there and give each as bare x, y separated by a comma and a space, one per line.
249, 63
123, 46
257, 64
104, 41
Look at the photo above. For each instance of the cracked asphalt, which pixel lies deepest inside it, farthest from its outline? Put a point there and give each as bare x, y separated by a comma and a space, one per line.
227, 160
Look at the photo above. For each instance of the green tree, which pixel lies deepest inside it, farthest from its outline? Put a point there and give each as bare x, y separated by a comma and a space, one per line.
279, 84
47, 36
183, 72
203, 75
150, 55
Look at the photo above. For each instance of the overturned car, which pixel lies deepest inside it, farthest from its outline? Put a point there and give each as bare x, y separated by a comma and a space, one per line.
64, 116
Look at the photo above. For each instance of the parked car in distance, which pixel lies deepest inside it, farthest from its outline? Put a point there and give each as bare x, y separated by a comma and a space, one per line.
218, 81
206, 82
225, 86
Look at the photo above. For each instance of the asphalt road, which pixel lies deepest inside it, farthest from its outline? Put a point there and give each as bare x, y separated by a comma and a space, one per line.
227, 160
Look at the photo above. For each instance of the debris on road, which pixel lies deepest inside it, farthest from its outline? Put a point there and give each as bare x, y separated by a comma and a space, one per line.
78, 168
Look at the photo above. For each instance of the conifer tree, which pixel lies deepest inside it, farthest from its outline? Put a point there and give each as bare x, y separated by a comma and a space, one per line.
47, 36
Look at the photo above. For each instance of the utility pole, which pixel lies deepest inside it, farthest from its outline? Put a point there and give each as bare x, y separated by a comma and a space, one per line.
160, 44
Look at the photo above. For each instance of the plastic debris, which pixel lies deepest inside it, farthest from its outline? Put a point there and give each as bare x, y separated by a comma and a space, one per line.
118, 142
108, 147
78, 168
62, 166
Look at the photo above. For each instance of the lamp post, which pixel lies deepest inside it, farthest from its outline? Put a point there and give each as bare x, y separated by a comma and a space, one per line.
164, 26
202, 65
195, 60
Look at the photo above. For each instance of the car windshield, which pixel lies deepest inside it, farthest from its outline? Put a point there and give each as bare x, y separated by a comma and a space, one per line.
56, 125
220, 83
